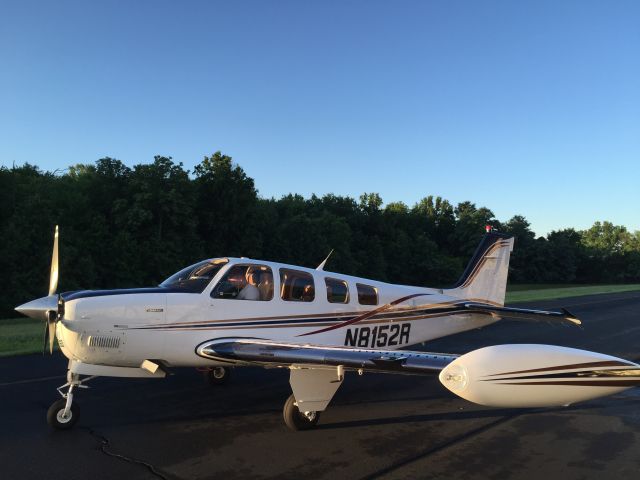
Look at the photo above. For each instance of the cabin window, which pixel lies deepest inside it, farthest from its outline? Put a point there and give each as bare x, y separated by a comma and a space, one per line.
195, 278
367, 295
337, 290
296, 286
245, 282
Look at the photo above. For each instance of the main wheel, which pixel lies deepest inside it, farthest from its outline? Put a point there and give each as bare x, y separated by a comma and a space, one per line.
57, 420
297, 420
218, 375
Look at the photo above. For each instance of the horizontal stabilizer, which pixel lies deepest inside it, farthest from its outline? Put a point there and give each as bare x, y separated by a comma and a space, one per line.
564, 316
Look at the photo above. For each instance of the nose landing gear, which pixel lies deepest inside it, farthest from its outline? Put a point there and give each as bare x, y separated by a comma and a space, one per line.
63, 414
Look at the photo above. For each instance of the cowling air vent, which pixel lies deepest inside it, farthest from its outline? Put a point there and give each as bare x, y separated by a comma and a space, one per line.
103, 342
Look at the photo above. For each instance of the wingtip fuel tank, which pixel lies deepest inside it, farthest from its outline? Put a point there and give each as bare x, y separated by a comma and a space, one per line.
528, 375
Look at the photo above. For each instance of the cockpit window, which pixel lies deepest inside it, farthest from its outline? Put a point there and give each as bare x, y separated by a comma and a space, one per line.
245, 282
195, 278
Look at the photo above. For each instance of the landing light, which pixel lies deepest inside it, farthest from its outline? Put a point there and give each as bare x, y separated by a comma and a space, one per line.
454, 377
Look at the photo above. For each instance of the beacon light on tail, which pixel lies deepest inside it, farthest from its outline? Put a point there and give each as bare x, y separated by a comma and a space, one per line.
512, 376
226, 312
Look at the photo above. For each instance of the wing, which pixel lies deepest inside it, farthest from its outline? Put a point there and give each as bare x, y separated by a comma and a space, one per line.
564, 316
521, 375
254, 351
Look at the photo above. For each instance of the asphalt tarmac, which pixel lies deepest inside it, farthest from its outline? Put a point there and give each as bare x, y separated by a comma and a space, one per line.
378, 426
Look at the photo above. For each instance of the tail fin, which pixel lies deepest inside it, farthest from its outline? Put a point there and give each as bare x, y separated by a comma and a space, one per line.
485, 278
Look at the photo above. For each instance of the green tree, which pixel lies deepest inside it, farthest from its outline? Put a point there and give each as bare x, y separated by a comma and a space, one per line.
226, 205
527, 259
123, 227
470, 226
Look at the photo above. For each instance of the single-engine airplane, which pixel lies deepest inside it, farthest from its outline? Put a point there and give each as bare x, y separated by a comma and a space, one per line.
231, 312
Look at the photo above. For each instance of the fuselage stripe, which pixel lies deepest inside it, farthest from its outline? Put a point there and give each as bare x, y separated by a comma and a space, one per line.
304, 323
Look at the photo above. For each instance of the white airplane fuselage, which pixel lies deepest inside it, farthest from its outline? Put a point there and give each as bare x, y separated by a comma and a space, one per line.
125, 327
237, 311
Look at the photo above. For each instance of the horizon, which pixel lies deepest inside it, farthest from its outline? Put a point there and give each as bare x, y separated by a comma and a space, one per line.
529, 108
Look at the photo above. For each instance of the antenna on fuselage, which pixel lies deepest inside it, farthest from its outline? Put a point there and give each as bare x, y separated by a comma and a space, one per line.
321, 266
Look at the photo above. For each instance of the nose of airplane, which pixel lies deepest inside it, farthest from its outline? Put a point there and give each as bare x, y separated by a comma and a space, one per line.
38, 308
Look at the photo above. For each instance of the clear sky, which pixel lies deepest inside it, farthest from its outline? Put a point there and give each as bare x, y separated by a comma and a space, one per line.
526, 107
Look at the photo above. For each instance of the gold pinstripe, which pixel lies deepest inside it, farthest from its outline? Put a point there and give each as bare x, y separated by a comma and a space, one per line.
302, 325
319, 315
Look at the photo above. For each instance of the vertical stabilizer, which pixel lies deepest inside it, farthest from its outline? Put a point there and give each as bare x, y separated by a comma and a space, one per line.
485, 278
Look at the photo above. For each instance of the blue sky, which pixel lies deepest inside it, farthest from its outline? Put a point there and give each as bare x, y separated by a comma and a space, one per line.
528, 108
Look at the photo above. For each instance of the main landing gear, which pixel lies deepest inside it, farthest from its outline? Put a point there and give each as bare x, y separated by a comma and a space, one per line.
297, 420
217, 375
313, 389
63, 414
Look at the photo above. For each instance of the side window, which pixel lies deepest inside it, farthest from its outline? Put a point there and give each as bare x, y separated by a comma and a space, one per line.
245, 282
367, 295
296, 286
337, 290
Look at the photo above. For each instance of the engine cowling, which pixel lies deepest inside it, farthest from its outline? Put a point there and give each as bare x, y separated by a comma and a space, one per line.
527, 375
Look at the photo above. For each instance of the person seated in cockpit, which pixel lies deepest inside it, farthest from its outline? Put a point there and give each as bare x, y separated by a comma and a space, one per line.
250, 290
307, 293
265, 285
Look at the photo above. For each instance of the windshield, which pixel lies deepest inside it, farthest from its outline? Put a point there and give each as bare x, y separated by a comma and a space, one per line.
195, 277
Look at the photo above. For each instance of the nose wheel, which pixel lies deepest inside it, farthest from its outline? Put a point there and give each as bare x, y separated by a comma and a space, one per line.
297, 420
60, 417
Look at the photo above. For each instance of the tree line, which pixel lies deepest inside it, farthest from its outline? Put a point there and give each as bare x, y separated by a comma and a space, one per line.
126, 227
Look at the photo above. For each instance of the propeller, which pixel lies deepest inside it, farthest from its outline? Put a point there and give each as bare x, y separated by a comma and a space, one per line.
49, 308
53, 277
50, 331
52, 315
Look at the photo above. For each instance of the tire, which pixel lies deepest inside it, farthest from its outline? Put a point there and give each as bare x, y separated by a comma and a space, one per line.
296, 420
218, 375
54, 415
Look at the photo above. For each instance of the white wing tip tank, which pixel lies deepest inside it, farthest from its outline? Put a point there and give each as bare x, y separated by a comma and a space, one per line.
524, 375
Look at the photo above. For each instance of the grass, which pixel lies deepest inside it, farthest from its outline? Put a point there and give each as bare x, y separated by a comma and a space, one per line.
542, 286
528, 293
19, 336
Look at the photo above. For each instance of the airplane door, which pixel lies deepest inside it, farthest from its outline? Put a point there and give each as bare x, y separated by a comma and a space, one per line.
245, 291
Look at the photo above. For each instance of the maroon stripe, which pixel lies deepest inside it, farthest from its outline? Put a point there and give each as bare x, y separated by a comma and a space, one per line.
369, 314
583, 383
608, 363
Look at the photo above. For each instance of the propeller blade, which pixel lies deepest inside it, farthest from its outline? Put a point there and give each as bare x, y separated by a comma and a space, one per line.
45, 340
53, 277
51, 326
50, 330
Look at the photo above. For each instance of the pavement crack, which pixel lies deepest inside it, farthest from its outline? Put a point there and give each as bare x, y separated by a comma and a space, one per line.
104, 448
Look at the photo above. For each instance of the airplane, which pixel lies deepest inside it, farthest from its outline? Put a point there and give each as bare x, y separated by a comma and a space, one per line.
232, 312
